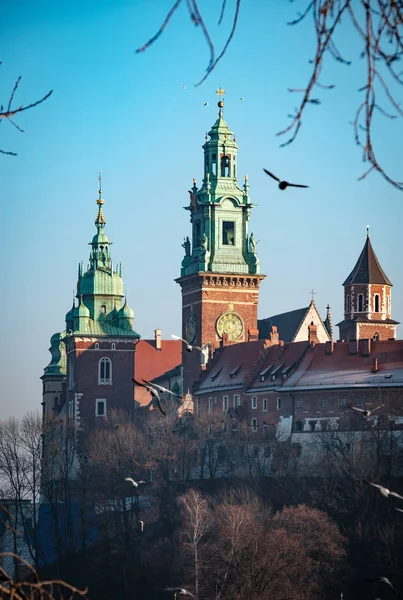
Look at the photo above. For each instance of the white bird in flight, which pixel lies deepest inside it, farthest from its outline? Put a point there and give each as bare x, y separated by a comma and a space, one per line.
367, 412
154, 393
134, 483
164, 389
384, 491
189, 347
179, 591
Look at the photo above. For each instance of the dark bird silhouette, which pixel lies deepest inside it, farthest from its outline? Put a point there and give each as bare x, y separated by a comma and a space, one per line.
366, 411
189, 347
179, 591
134, 483
384, 491
284, 184
154, 393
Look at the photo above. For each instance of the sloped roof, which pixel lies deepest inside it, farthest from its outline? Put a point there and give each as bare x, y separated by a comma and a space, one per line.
364, 319
287, 324
232, 365
340, 369
367, 268
150, 363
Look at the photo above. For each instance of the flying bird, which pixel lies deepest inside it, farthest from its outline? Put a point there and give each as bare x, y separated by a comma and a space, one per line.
384, 491
242, 98
189, 347
382, 580
284, 184
367, 412
179, 591
205, 104
184, 87
154, 393
140, 526
134, 483
164, 389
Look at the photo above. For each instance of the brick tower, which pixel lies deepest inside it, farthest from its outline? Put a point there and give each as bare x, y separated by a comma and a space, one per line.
220, 273
92, 359
367, 300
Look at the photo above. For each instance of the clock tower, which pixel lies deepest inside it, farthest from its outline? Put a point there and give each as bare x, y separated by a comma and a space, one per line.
220, 273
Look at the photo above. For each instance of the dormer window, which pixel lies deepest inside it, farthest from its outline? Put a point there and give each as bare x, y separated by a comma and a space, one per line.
376, 303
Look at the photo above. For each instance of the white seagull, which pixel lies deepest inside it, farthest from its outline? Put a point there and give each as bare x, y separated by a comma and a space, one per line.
189, 347
164, 389
384, 491
367, 412
154, 393
179, 591
134, 483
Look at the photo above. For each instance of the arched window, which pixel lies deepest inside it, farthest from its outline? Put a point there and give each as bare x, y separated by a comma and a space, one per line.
103, 309
360, 303
376, 303
348, 303
376, 337
225, 166
105, 371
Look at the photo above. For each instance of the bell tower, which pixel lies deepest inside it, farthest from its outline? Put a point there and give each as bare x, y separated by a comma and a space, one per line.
367, 300
220, 273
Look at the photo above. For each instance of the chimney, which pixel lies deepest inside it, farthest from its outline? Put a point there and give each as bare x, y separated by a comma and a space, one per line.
329, 347
274, 335
253, 335
312, 334
375, 367
353, 346
157, 334
365, 347
224, 340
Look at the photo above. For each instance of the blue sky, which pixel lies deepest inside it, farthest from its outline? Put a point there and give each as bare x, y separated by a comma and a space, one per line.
128, 115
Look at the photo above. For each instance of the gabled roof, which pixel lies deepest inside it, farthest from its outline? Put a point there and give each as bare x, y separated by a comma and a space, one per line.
367, 268
287, 324
229, 369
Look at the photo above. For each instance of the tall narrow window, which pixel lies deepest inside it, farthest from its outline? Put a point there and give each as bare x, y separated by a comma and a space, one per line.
196, 235
214, 164
237, 400
225, 166
254, 401
278, 403
376, 303
105, 371
103, 309
100, 407
225, 403
348, 303
254, 424
375, 337
210, 404
228, 233
264, 404
360, 302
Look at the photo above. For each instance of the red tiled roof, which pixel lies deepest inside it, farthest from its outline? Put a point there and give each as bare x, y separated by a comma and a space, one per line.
340, 369
150, 363
236, 360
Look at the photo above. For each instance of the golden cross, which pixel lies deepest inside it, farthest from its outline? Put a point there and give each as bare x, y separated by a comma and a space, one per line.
220, 92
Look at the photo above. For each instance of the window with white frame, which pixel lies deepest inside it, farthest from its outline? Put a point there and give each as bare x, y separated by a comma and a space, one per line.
264, 404
360, 302
96, 345
210, 404
254, 402
265, 430
376, 303
100, 407
237, 400
225, 403
254, 424
299, 404
278, 403
113, 346
105, 371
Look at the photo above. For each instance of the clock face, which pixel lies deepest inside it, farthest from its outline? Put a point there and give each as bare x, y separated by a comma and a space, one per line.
231, 324
191, 328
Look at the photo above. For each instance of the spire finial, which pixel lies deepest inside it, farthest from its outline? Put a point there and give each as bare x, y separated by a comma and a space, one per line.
220, 92
367, 231
312, 292
100, 220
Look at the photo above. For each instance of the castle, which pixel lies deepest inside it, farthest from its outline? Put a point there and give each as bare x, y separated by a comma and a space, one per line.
286, 369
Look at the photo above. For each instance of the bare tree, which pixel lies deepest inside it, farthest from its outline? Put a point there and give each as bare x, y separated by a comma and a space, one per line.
195, 535
10, 110
378, 25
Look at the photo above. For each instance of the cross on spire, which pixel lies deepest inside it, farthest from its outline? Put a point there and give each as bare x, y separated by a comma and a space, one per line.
313, 293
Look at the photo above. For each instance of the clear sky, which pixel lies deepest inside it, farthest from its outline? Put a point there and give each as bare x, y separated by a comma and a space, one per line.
128, 115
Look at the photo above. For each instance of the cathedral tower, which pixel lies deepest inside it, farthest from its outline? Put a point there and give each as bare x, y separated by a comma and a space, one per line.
367, 300
92, 360
220, 274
